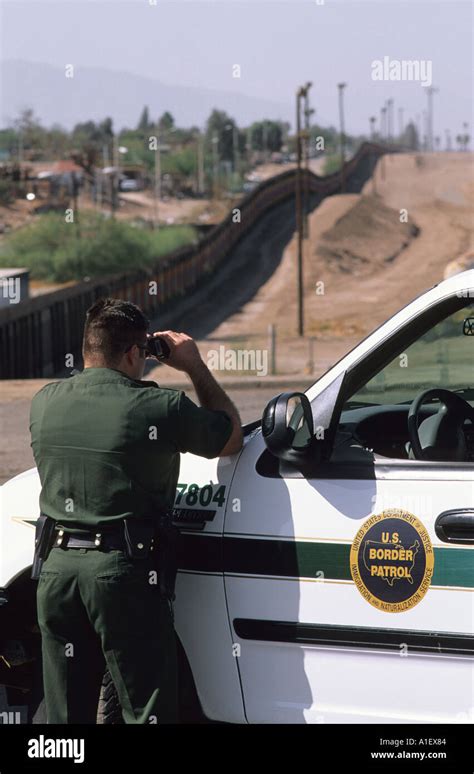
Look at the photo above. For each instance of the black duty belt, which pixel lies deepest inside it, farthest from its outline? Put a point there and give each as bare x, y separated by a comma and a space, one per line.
97, 541
136, 537
105, 539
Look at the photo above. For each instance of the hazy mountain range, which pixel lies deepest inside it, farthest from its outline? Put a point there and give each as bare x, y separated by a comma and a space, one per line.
94, 93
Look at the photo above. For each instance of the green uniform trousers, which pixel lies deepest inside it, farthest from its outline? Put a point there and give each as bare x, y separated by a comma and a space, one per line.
99, 609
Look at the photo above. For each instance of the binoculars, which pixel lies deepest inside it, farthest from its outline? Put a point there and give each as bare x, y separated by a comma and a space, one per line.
157, 347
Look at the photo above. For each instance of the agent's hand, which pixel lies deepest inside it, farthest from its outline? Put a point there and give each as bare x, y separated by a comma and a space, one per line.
184, 354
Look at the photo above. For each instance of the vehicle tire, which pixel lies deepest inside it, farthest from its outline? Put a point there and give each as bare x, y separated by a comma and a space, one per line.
32, 708
109, 711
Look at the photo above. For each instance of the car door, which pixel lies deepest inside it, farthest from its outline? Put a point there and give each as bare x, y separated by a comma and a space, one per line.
348, 599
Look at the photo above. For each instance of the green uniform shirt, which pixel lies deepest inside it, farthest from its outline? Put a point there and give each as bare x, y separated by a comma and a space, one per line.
107, 446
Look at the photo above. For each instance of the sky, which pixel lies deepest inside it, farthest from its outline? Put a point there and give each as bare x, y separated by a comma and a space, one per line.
278, 46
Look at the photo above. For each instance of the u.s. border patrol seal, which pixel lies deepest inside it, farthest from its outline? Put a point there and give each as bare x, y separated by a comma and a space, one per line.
392, 561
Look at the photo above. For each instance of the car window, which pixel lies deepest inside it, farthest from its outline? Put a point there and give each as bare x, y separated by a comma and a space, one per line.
374, 419
442, 357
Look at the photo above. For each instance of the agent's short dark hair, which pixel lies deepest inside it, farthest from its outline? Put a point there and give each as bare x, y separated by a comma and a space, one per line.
112, 325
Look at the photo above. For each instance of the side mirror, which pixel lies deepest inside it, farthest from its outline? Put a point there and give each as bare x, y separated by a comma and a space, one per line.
287, 426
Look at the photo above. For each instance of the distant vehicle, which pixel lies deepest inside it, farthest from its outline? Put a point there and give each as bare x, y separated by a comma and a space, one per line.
129, 184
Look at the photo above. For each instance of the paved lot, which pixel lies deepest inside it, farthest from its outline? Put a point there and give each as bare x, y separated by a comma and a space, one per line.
15, 451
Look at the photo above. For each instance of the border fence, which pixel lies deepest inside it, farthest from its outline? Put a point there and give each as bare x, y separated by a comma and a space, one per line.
35, 334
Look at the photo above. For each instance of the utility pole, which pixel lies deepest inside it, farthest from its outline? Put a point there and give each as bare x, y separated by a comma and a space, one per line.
264, 141
114, 176
157, 190
374, 158
234, 135
157, 181
426, 130
20, 148
383, 121
116, 151
200, 162
401, 127
299, 212
372, 127
215, 166
102, 186
75, 202
390, 120
248, 145
418, 130
448, 140
429, 92
307, 114
383, 115
429, 119
235, 146
341, 87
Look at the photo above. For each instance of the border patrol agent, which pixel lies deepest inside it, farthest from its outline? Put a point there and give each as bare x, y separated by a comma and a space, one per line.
106, 444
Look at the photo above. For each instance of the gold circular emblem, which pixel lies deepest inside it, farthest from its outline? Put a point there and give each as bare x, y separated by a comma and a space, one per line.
392, 560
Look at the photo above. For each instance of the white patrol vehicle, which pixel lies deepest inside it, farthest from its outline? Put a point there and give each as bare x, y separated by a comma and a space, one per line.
326, 572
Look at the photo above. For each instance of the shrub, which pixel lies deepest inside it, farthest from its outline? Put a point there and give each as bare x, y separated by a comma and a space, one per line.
7, 195
332, 164
58, 251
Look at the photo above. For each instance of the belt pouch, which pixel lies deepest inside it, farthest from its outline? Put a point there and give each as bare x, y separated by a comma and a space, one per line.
43, 541
138, 533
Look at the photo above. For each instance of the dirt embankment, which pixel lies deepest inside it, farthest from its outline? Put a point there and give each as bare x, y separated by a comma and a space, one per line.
366, 238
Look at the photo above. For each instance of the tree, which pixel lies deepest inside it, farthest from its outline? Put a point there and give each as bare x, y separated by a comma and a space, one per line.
90, 140
266, 135
33, 135
90, 132
144, 122
166, 122
222, 125
9, 141
26, 121
410, 137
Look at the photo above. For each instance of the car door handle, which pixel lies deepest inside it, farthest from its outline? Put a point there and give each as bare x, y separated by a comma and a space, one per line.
456, 526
